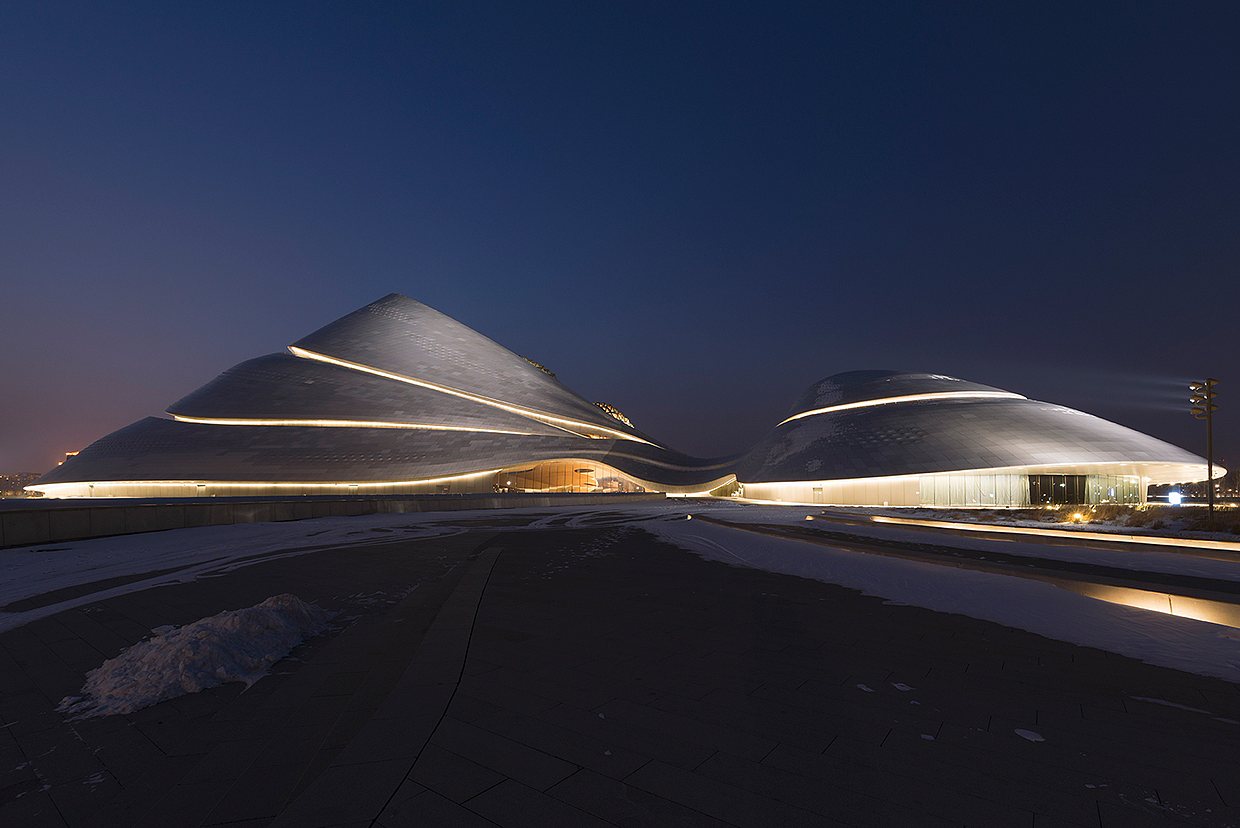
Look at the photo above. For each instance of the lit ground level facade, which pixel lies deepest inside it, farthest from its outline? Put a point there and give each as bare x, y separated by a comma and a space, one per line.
570, 476
1008, 488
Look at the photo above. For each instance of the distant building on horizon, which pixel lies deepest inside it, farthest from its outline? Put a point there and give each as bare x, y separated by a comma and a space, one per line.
397, 398
14, 485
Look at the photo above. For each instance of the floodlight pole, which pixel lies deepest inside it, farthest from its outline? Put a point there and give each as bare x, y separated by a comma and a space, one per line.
1203, 409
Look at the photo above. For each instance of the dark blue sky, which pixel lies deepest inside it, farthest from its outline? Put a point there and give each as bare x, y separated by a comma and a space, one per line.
691, 211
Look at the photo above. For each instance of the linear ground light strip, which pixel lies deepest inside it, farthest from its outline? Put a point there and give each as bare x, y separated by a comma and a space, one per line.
238, 421
934, 395
1167, 603
1108, 537
575, 426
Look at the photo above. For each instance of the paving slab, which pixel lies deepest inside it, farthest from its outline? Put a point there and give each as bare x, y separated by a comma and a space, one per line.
429, 808
623, 804
511, 800
451, 775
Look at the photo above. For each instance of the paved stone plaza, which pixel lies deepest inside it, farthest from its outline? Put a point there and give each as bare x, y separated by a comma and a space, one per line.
594, 677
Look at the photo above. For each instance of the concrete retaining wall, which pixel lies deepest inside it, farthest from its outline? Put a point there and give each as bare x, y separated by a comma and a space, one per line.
51, 523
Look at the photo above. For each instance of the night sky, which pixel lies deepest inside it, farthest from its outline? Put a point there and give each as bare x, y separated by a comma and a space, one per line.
690, 211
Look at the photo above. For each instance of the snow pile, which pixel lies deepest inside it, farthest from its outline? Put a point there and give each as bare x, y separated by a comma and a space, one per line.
236, 645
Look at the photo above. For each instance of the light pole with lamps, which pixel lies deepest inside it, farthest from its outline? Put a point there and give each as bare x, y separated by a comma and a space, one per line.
1203, 409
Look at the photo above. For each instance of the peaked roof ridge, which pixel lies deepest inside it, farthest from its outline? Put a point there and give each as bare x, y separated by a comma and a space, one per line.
407, 338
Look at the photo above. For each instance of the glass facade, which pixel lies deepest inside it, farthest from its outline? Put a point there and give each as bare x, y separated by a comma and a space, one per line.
1080, 488
1113, 488
564, 476
974, 490
1027, 489
1054, 489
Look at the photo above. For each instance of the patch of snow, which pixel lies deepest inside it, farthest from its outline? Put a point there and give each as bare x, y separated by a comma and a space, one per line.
866, 689
899, 686
927, 737
237, 645
1030, 735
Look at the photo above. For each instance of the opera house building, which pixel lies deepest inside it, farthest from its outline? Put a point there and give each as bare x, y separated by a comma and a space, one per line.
397, 398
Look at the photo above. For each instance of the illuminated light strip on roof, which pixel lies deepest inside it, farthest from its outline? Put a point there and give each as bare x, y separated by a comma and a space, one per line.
575, 426
237, 421
934, 395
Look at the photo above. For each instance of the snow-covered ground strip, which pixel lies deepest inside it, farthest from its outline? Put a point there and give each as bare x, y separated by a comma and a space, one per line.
1122, 556
182, 555
1165, 640
1171, 528
237, 645
85, 561
185, 555
1068, 531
